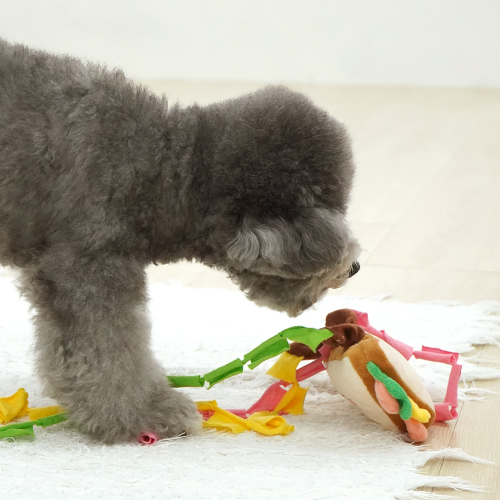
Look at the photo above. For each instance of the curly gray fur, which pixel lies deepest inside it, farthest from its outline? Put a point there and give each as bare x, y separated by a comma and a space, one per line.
99, 178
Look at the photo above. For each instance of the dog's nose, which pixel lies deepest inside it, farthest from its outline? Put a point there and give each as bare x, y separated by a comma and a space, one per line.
354, 269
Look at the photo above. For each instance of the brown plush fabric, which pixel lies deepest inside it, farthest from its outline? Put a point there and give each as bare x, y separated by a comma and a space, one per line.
340, 317
306, 352
345, 335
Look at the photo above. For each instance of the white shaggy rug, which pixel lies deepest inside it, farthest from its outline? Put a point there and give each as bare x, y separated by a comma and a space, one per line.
334, 452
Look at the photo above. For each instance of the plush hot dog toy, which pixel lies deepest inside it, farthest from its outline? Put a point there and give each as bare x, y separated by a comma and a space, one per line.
373, 375
378, 379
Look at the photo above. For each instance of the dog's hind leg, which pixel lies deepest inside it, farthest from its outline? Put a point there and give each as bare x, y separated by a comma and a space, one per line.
93, 347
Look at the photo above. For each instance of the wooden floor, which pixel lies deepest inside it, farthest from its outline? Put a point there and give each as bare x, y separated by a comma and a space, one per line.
426, 209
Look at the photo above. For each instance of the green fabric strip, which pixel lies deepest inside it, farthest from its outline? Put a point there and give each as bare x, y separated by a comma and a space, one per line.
52, 420
270, 348
18, 425
13, 432
311, 337
26, 428
226, 371
186, 380
267, 350
393, 388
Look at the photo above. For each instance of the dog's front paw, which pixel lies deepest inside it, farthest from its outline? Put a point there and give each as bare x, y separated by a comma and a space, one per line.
124, 416
172, 413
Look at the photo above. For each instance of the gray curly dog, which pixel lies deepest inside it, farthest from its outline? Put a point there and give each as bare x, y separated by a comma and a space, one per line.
99, 178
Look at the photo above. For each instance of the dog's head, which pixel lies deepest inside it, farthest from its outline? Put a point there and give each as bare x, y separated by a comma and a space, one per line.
280, 176
288, 266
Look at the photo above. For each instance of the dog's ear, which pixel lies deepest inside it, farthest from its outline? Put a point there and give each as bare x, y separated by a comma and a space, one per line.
273, 240
316, 240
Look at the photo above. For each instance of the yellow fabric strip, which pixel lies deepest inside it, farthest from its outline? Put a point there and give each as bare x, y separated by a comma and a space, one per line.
268, 424
285, 368
293, 401
14, 406
263, 422
46, 411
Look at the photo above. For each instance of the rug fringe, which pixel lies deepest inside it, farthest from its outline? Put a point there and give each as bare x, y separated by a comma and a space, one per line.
455, 453
471, 373
422, 495
475, 394
481, 358
450, 482
427, 495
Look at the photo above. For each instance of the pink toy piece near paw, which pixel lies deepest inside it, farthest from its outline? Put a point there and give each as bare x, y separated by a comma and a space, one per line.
148, 438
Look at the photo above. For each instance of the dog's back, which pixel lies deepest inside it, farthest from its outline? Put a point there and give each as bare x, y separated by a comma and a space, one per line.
72, 137
26, 93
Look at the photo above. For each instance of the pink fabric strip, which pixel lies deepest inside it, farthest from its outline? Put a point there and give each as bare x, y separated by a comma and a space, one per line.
405, 349
310, 370
324, 350
448, 409
452, 391
275, 392
434, 354
445, 412
270, 399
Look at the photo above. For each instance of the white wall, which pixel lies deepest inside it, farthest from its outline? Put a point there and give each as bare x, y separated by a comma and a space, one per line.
396, 42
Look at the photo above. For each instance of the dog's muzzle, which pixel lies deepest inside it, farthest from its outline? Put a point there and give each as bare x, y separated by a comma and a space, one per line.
354, 269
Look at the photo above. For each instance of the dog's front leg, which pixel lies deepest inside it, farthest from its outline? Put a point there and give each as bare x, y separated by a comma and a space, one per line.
93, 347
